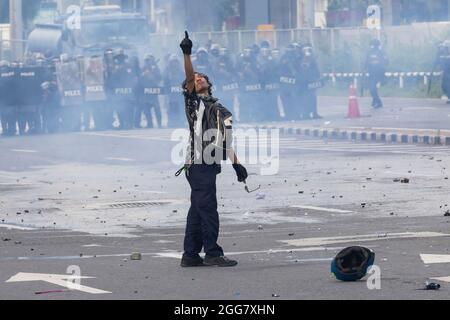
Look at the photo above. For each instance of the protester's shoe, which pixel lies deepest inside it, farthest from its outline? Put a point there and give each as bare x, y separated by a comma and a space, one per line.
219, 262
188, 262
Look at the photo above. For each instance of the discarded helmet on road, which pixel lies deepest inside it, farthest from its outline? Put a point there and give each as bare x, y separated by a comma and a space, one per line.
351, 264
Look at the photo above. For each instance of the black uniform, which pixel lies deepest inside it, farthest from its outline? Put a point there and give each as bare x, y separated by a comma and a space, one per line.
288, 85
173, 77
123, 80
28, 80
148, 92
225, 80
309, 80
443, 62
202, 228
8, 100
270, 78
250, 88
376, 63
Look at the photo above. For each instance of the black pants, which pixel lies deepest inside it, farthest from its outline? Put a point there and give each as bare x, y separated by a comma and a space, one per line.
202, 230
373, 83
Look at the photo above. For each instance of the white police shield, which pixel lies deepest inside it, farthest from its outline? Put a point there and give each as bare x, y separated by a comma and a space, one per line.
70, 88
94, 79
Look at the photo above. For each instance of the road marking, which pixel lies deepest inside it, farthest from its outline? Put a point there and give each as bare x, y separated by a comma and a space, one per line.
24, 151
60, 280
179, 255
322, 209
11, 226
310, 242
443, 279
166, 254
112, 135
121, 159
435, 258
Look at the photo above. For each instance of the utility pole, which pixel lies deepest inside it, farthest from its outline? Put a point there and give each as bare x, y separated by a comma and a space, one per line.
16, 28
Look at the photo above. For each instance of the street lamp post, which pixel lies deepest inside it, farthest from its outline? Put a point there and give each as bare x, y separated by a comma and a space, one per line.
16, 28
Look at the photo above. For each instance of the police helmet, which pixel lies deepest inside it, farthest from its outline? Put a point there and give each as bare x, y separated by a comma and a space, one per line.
202, 50
215, 50
352, 263
64, 57
224, 51
4, 63
265, 44
375, 43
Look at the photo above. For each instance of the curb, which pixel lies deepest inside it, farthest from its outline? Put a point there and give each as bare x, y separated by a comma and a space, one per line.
380, 135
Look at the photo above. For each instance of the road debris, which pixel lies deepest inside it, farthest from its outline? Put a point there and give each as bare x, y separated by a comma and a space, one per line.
136, 256
432, 286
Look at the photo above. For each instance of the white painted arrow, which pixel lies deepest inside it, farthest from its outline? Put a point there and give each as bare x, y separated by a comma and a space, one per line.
435, 258
443, 279
58, 279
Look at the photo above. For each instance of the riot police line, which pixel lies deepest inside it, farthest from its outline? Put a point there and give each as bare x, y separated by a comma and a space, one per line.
114, 90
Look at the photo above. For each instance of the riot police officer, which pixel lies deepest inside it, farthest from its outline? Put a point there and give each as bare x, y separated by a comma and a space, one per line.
375, 65
288, 82
309, 82
149, 92
271, 86
443, 63
29, 80
225, 78
123, 79
51, 98
4, 66
250, 86
173, 77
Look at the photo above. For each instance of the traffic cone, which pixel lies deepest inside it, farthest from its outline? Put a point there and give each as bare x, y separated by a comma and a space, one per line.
353, 106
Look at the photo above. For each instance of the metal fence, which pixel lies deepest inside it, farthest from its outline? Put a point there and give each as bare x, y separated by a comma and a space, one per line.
409, 48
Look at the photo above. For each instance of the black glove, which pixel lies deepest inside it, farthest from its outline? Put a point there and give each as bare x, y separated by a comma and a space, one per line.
186, 44
241, 172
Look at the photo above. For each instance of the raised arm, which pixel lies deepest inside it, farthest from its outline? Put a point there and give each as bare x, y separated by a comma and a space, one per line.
186, 47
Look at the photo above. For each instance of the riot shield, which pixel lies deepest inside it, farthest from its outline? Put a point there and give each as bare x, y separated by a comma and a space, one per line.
94, 80
69, 83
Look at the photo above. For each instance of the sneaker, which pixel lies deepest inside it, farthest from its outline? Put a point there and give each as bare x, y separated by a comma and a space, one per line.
188, 262
219, 262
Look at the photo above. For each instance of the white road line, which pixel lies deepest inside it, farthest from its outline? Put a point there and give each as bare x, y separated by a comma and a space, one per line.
435, 258
167, 254
14, 227
112, 135
121, 159
443, 279
310, 242
24, 151
322, 209
179, 255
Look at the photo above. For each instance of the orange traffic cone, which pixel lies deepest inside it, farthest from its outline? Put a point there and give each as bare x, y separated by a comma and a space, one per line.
353, 107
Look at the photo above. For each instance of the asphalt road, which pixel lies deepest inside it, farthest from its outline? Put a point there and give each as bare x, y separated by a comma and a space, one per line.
91, 199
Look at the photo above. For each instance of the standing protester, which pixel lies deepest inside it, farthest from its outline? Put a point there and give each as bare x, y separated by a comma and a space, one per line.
375, 65
204, 114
